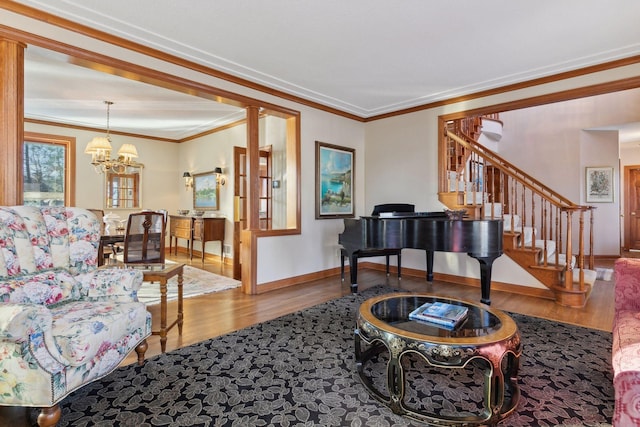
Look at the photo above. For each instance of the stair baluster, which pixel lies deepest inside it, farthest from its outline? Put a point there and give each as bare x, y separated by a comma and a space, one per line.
552, 214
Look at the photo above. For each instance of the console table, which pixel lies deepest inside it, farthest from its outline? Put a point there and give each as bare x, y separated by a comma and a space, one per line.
194, 228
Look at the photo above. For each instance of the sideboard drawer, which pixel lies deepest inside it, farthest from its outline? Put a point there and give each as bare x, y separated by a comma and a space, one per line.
182, 233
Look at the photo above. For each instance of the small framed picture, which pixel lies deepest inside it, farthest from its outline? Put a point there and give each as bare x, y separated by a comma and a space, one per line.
334, 181
206, 191
599, 184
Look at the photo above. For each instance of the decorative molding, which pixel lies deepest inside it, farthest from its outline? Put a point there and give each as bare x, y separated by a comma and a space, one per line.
155, 53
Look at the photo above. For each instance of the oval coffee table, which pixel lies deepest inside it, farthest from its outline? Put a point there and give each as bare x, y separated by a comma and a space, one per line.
487, 334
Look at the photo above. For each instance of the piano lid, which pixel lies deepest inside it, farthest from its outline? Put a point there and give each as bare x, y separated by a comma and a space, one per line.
411, 215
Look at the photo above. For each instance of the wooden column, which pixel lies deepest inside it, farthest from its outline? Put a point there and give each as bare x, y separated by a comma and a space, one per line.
12, 120
253, 168
249, 246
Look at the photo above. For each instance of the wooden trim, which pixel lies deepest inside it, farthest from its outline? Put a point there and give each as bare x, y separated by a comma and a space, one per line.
297, 280
117, 67
249, 257
517, 86
440, 277
253, 168
99, 130
11, 120
69, 143
628, 192
155, 53
468, 281
212, 131
135, 135
163, 56
565, 95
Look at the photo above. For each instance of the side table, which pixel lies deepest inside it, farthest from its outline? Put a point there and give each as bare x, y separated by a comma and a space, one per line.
162, 276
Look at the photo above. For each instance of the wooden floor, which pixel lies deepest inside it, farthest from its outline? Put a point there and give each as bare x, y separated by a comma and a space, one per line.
219, 313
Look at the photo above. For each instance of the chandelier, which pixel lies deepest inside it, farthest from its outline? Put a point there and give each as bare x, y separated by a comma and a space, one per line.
100, 149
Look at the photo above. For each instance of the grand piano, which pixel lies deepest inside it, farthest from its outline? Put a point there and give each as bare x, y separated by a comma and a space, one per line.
431, 231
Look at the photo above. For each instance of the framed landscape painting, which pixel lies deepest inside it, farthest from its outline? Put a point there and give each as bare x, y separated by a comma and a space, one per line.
334, 181
599, 184
206, 194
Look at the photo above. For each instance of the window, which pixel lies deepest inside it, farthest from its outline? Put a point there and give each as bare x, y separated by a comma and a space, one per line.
123, 189
48, 171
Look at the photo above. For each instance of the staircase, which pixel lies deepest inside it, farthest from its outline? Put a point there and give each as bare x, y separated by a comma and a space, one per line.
544, 232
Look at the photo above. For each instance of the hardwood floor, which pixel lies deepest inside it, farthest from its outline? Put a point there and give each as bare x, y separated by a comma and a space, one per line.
216, 314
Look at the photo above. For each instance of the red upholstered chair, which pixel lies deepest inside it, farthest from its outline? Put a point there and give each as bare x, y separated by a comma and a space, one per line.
365, 253
625, 351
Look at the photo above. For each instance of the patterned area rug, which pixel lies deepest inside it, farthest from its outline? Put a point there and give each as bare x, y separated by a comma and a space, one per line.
298, 370
194, 282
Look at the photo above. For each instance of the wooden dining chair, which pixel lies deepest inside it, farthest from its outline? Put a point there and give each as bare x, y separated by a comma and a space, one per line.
104, 252
144, 239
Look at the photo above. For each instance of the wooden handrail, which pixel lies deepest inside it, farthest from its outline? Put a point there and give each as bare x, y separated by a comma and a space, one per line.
518, 192
511, 170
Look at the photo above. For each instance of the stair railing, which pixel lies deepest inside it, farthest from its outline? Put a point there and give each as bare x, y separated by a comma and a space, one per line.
548, 217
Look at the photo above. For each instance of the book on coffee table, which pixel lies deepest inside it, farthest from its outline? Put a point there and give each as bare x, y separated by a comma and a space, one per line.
440, 313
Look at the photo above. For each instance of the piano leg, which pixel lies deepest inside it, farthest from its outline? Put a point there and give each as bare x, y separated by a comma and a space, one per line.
387, 265
429, 266
485, 278
353, 267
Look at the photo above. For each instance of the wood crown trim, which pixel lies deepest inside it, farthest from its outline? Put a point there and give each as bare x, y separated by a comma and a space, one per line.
155, 53
39, 15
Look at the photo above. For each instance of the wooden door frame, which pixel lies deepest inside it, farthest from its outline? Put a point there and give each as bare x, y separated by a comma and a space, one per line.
628, 194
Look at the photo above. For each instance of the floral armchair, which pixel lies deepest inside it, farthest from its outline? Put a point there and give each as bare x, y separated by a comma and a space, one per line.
63, 322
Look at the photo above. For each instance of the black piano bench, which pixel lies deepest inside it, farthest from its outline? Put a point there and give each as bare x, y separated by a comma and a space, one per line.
367, 253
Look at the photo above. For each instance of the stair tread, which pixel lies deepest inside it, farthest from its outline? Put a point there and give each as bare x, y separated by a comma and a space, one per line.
589, 276
551, 267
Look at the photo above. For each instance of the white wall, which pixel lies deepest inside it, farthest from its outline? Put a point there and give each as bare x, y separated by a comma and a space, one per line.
159, 188
204, 154
395, 161
600, 149
401, 163
553, 143
316, 248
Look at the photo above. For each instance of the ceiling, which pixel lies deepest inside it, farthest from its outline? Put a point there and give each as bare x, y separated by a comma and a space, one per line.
363, 57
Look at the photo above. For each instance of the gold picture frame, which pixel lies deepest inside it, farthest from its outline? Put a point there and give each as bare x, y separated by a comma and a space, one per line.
206, 191
335, 190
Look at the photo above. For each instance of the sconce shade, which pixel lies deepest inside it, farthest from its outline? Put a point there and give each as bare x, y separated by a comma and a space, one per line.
186, 175
219, 177
128, 151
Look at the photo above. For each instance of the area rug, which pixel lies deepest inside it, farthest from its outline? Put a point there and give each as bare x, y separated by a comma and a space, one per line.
605, 274
194, 282
298, 370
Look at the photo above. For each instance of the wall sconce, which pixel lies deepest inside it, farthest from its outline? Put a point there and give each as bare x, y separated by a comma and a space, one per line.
188, 180
219, 176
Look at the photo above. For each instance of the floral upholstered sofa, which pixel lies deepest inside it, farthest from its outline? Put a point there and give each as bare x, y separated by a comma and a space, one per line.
63, 322
625, 353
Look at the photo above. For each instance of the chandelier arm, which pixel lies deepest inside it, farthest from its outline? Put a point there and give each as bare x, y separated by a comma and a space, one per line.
100, 150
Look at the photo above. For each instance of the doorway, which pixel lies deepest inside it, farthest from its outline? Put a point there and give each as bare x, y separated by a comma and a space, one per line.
240, 199
632, 208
